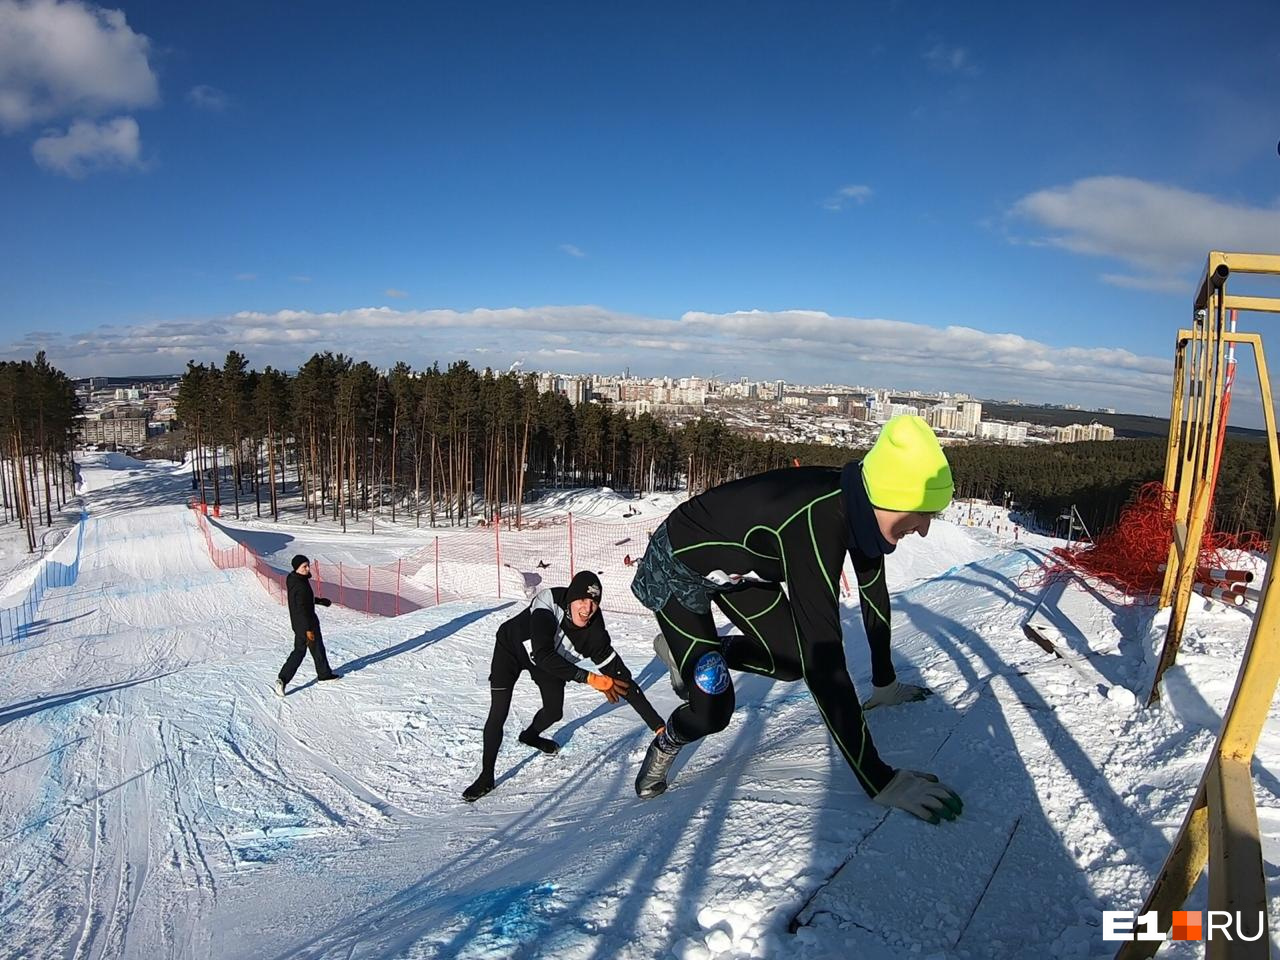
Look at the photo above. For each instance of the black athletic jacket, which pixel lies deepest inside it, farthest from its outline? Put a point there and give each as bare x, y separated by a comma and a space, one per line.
302, 604
547, 633
791, 526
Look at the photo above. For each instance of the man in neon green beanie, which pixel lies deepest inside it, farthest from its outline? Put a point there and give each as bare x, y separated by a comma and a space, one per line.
737, 544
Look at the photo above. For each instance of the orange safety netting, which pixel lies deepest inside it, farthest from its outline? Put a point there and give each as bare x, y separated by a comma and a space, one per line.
480, 562
1129, 557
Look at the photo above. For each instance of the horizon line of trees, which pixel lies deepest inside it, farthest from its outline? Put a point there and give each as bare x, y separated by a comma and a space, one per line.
38, 412
459, 444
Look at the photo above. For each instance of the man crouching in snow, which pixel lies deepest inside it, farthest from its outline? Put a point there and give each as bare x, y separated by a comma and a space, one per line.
560, 626
737, 544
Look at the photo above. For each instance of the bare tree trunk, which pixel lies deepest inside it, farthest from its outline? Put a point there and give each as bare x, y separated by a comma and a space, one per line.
33, 502
48, 493
431, 496
25, 502
395, 432
199, 458
217, 481
4, 487
311, 477
235, 466
340, 453
271, 470
284, 457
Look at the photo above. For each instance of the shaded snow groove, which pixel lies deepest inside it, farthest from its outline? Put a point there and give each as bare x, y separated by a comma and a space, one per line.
991, 879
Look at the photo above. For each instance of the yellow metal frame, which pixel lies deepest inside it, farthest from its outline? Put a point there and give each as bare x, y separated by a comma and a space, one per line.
1195, 426
1221, 826
1174, 457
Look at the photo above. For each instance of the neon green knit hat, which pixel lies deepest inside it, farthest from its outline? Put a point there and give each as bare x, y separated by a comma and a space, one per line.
906, 468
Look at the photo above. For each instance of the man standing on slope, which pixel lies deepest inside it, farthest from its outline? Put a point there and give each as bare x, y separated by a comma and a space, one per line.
306, 626
560, 626
737, 544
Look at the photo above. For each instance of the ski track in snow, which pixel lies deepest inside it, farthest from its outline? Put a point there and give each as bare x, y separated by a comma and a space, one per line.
157, 799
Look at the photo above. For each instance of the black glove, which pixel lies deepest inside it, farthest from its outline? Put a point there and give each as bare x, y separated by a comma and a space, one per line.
324, 602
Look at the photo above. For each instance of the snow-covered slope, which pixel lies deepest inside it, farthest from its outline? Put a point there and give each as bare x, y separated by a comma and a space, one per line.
157, 800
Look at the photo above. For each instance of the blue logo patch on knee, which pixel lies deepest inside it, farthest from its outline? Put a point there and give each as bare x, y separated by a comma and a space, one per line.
711, 674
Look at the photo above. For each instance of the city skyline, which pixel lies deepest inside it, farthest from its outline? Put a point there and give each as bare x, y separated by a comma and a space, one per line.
141, 413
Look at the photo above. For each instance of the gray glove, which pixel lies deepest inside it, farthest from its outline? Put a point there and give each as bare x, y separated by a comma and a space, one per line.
895, 693
921, 795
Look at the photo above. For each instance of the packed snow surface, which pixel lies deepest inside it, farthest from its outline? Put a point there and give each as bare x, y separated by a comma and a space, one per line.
158, 800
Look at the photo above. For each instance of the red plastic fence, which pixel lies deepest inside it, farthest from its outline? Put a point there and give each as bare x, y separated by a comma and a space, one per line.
467, 564
374, 590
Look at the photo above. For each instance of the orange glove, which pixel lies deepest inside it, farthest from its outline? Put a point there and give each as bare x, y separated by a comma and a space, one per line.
614, 690
311, 636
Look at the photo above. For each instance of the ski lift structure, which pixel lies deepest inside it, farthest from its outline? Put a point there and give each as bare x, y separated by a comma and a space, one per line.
1220, 829
1072, 516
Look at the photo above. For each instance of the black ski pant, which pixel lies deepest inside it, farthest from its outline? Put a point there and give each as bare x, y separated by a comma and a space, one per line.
509, 661
768, 646
300, 646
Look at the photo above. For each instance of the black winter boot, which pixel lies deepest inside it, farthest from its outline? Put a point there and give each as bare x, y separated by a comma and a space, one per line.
483, 784
651, 781
538, 743
663, 650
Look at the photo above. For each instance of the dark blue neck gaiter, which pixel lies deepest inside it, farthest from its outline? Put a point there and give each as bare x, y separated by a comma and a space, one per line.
860, 516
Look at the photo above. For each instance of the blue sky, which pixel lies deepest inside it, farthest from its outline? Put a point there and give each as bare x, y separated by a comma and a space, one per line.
1009, 199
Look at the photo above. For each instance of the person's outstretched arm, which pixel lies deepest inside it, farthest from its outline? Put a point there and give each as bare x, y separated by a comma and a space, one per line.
873, 597
609, 663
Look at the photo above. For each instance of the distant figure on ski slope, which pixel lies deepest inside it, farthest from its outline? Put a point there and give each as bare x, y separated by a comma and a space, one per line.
735, 545
560, 626
306, 626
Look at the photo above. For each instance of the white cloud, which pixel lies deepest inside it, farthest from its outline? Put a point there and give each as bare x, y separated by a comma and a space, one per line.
857, 193
1007, 359
60, 59
394, 293
1173, 285
572, 250
798, 345
300, 278
950, 59
1163, 231
87, 146
207, 98
246, 276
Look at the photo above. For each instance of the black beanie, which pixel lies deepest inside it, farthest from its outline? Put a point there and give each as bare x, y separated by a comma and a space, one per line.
585, 585
298, 561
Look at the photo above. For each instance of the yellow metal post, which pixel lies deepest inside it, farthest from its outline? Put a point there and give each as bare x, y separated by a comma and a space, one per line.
1236, 880
1175, 409
1268, 409
1182, 868
1173, 454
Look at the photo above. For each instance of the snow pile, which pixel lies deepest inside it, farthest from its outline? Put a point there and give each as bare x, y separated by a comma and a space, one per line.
156, 799
602, 503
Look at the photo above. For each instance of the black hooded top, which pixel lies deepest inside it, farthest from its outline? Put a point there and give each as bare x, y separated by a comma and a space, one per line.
302, 604
546, 631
